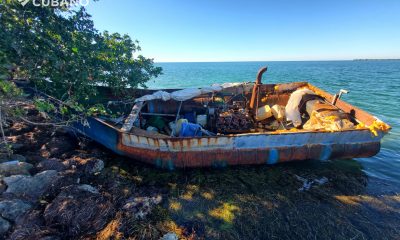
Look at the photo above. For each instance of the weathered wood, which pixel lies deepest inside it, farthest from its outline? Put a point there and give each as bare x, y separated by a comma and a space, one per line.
130, 120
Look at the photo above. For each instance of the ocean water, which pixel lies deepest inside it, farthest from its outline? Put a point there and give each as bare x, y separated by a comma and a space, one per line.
374, 86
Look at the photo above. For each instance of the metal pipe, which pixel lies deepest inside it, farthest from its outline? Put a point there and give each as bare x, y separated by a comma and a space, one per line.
254, 95
176, 119
338, 96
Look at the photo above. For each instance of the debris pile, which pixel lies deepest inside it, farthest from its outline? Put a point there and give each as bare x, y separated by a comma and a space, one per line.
140, 207
218, 111
308, 183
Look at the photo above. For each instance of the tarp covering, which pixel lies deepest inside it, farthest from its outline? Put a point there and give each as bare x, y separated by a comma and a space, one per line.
165, 96
185, 94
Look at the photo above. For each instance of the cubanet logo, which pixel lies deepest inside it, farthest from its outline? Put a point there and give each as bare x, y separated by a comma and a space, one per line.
55, 3
23, 2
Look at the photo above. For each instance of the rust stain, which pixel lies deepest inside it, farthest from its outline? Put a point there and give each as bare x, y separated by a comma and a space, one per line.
190, 159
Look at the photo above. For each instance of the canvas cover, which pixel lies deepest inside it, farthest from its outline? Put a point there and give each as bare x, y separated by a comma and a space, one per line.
185, 94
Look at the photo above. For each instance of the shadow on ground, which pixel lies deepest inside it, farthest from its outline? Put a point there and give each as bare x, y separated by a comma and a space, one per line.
265, 202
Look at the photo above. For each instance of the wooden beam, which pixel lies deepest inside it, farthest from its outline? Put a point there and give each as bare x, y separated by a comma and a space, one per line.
130, 120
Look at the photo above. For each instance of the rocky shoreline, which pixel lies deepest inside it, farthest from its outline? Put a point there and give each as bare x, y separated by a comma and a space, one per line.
59, 186
54, 188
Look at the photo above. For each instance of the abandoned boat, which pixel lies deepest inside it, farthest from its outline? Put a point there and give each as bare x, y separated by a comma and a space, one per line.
238, 124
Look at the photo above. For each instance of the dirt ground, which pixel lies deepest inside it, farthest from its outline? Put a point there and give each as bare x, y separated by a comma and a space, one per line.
250, 202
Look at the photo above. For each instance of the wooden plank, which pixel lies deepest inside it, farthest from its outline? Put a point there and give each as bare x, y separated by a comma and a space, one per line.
130, 120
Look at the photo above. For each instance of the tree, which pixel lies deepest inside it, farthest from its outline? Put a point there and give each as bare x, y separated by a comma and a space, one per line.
59, 50
64, 55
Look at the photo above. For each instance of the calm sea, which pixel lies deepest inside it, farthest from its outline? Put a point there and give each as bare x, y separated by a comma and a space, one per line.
374, 86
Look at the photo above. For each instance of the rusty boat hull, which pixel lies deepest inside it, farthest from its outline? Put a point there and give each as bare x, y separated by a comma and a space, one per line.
240, 149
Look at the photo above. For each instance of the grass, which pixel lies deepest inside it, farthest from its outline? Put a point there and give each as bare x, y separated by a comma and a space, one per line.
263, 202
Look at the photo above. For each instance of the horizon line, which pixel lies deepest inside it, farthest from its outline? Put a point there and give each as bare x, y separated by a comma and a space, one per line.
323, 60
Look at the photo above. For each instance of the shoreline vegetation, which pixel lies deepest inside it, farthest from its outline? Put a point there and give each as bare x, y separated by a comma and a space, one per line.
377, 59
66, 187
323, 60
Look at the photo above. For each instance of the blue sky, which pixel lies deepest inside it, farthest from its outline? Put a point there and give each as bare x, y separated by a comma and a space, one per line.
239, 30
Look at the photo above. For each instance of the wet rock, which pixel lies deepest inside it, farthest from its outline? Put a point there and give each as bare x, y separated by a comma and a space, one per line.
4, 226
15, 168
51, 164
79, 210
11, 209
170, 236
140, 207
30, 187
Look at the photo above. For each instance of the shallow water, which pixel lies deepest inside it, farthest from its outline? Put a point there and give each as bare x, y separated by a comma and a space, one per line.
374, 86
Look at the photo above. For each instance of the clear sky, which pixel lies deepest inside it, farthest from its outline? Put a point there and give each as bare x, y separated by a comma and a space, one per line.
239, 30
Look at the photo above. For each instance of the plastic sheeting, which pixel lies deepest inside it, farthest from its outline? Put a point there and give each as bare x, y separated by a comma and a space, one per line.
165, 96
292, 107
185, 94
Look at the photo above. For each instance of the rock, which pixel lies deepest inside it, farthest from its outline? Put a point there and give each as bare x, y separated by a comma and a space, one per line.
88, 188
94, 166
3, 186
30, 187
17, 146
11, 209
14, 157
50, 238
78, 211
170, 236
15, 168
17, 157
4, 226
35, 159
51, 164
140, 207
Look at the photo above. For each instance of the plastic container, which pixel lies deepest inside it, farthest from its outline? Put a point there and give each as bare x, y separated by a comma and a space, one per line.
202, 120
278, 111
263, 113
179, 125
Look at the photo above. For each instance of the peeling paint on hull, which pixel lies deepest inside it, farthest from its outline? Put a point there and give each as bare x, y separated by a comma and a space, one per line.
245, 149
